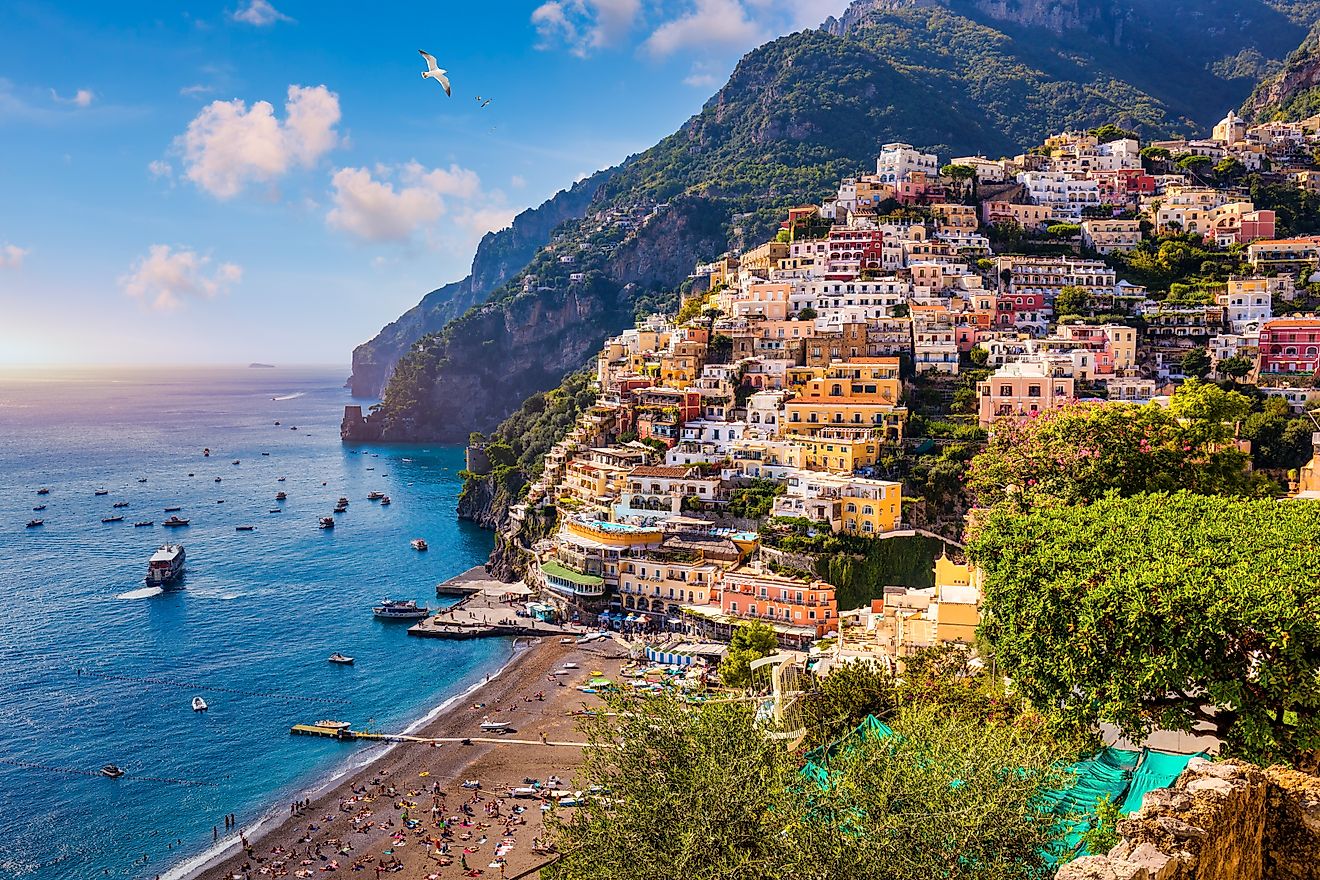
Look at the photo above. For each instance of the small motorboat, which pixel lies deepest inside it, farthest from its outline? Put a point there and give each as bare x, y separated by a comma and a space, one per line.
236, 461
327, 522
119, 504
206, 453
418, 544
112, 519
145, 522
173, 509
33, 523
277, 422
495, 727
244, 528
375, 496
220, 501
343, 500
142, 479
217, 479
39, 508
293, 427
191, 474
371, 468
341, 509
101, 492
339, 658
280, 496
199, 705
265, 453
276, 510
111, 771
175, 522
280, 480
472, 783
385, 502
43, 491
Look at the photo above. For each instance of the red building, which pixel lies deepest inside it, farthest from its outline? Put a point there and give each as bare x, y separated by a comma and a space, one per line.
1289, 345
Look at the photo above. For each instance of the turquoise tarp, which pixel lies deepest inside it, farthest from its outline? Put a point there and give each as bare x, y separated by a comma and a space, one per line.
1157, 770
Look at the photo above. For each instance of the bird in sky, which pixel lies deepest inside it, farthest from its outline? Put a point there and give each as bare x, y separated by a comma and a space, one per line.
484, 103
435, 72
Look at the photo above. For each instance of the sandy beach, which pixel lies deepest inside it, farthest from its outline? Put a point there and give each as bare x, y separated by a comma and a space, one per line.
357, 826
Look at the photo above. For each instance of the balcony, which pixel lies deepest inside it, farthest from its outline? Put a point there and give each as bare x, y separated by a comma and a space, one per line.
571, 583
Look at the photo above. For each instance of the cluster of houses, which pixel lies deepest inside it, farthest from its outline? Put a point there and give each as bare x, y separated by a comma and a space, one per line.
782, 379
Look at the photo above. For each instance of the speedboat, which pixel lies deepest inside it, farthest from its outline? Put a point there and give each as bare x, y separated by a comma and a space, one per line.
199, 705
293, 427
276, 510
375, 496
244, 528
43, 491
33, 523
39, 507
280, 496
339, 658
418, 544
494, 726
277, 422
206, 453
343, 500
142, 479
406, 609
111, 771
111, 519
341, 509
101, 492
145, 522
280, 480
385, 502
217, 479
175, 522
236, 461
191, 474
121, 504
327, 522
173, 509
265, 453
220, 501
166, 565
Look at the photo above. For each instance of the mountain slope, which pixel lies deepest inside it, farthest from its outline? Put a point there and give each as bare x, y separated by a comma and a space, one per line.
798, 113
1293, 92
499, 256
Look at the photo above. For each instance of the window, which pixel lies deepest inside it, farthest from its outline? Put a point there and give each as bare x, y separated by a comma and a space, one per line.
1033, 391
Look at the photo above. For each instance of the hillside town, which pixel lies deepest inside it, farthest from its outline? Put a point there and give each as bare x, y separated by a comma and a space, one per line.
766, 415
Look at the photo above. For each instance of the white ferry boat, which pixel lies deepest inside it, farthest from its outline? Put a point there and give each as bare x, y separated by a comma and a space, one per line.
406, 609
166, 565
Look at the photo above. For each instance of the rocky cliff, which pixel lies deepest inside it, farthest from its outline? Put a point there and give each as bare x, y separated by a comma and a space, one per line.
499, 256
1293, 92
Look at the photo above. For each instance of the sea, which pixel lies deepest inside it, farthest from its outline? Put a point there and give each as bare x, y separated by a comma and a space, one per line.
97, 668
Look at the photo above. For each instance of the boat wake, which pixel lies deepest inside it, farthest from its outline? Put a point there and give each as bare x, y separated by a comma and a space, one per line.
141, 593
294, 396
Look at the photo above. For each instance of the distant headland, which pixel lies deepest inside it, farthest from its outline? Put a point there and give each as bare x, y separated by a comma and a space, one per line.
255, 366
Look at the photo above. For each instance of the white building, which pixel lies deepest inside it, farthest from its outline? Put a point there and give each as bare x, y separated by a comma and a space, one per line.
897, 162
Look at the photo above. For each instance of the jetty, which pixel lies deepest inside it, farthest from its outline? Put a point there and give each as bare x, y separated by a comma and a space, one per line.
347, 735
490, 609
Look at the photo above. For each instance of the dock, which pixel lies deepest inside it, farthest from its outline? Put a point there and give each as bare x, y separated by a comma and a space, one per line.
346, 735
488, 610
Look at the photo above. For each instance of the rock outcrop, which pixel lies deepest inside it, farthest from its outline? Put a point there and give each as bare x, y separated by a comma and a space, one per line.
1219, 821
1294, 91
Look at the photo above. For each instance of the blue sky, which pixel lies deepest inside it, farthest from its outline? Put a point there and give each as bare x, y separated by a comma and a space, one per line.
273, 180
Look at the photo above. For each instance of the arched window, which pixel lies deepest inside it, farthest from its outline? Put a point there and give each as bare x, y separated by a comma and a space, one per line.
867, 510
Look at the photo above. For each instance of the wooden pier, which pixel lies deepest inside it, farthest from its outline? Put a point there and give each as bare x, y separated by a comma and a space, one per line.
346, 735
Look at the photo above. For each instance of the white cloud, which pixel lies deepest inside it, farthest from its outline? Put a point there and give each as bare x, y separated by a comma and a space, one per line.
583, 26
195, 90
709, 24
81, 98
517, 181
229, 145
11, 256
166, 277
403, 204
259, 13
160, 168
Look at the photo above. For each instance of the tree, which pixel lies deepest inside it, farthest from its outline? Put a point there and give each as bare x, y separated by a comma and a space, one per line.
1236, 367
960, 173
978, 356
840, 701
1078, 453
1110, 132
1072, 300
1197, 166
1063, 230
750, 641
806, 313
1162, 611
702, 793
783, 236
1229, 170
1196, 363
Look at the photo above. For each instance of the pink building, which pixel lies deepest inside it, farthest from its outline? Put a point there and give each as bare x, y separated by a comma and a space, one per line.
1020, 390
1289, 345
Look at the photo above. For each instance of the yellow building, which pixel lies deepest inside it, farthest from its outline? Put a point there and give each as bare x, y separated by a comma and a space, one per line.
838, 450
861, 392
659, 582
764, 257
681, 366
870, 507
592, 483
957, 601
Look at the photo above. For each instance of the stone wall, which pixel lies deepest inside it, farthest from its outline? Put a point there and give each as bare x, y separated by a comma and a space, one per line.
1219, 821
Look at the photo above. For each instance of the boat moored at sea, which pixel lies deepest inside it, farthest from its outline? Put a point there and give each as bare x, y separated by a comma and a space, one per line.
33, 523
112, 519
341, 659
166, 565
375, 496
121, 504
281, 496
101, 492
111, 771
39, 508
327, 522
406, 609
244, 528
43, 491
418, 543
385, 502
199, 705
173, 509
175, 522
145, 522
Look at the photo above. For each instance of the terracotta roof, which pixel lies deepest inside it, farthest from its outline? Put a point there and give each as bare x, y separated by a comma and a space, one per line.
657, 471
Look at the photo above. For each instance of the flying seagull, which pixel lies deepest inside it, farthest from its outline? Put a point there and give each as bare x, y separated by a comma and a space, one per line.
484, 103
435, 72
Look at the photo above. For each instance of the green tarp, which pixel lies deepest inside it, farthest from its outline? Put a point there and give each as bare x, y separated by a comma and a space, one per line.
1157, 770
1105, 775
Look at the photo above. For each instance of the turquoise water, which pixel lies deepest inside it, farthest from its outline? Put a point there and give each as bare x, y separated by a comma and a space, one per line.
258, 613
